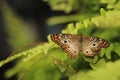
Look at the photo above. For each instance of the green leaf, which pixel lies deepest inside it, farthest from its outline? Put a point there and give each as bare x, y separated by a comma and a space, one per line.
116, 48
102, 52
70, 71
91, 60
61, 66
70, 29
108, 51
100, 63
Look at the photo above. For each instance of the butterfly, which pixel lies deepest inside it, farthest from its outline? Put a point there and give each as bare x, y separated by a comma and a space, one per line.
73, 45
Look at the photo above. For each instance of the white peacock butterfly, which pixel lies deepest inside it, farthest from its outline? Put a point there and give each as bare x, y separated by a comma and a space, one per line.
73, 45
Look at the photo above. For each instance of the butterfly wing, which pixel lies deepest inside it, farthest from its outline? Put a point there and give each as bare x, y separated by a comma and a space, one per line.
72, 44
68, 42
91, 46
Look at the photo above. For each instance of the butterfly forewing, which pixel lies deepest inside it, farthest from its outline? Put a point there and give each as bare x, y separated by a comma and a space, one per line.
68, 42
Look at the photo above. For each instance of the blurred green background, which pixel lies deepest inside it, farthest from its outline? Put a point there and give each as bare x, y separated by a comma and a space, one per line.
23, 22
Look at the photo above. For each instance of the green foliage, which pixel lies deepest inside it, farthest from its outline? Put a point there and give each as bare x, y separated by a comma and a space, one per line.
66, 5
48, 62
109, 72
17, 30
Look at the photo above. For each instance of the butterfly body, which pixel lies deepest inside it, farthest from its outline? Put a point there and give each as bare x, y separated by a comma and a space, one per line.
73, 45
